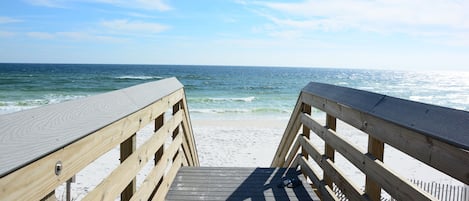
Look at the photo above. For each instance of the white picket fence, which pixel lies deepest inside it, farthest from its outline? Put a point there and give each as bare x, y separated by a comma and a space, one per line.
443, 192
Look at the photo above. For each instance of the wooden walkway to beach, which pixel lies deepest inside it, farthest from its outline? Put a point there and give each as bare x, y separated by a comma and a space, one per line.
222, 183
43, 148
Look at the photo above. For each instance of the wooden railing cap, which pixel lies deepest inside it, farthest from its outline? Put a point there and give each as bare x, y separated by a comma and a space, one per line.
29, 135
445, 124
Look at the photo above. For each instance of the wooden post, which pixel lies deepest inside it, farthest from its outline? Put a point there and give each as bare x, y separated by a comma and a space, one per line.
331, 123
127, 148
159, 121
69, 188
176, 108
375, 148
306, 131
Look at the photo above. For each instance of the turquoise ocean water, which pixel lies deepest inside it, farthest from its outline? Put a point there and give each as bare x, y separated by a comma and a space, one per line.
221, 91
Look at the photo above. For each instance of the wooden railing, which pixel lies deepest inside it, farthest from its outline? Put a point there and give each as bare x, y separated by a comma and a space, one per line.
44, 147
436, 136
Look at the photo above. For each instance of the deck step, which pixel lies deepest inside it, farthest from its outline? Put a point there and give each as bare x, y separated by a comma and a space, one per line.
224, 183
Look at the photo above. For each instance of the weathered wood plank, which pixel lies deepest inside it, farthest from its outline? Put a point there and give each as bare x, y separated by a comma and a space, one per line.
306, 131
109, 188
126, 149
331, 123
21, 185
186, 150
289, 135
293, 153
219, 183
218, 198
444, 124
396, 186
326, 193
187, 128
168, 179
440, 155
376, 149
347, 187
152, 179
49, 128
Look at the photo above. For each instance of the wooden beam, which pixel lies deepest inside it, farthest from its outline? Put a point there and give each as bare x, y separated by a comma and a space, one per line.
156, 174
188, 131
50, 197
441, 123
52, 127
326, 193
328, 166
396, 186
376, 149
306, 131
126, 149
293, 153
110, 187
331, 123
168, 179
440, 155
159, 122
68, 188
176, 108
186, 152
22, 185
289, 135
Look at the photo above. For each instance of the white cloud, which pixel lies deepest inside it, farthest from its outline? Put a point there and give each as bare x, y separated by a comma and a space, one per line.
126, 26
87, 36
154, 4
40, 35
415, 17
289, 34
140, 4
5, 34
6, 20
75, 36
48, 3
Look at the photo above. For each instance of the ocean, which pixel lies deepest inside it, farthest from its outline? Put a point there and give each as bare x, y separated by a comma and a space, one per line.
222, 92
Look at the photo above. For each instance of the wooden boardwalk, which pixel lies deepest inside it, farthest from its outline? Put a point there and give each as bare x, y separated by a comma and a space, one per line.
43, 148
222, 183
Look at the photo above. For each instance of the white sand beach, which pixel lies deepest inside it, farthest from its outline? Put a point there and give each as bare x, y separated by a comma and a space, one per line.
238, 143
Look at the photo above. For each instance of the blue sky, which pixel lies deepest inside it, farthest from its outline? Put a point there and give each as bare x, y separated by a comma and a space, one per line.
384, 34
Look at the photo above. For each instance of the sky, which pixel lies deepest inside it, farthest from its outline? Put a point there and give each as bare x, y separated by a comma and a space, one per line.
377, 34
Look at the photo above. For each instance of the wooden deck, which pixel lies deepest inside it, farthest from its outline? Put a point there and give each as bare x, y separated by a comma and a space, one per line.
222, 183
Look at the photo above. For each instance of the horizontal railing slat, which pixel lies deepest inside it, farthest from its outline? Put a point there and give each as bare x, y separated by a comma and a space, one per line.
187, 128
434, 135
38, 179
168, 179
328, 166
292, 129
326, 193
430, 151
29, 135
152, 179
398, 187
293, 152
113, 185
445, 124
